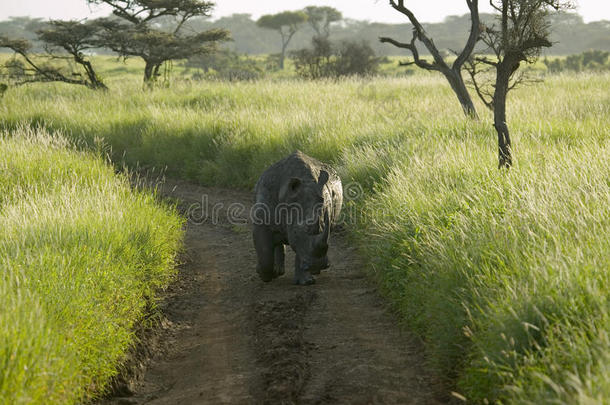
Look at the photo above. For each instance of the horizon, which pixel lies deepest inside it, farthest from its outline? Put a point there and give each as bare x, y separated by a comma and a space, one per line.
367, 10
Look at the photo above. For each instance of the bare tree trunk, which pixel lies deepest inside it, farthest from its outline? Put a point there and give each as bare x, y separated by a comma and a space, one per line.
283, 55
286, 37
499, 104
96, 83
459, 88
149, 74
156, 71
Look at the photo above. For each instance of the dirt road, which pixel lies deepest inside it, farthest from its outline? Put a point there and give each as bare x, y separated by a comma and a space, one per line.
227, 337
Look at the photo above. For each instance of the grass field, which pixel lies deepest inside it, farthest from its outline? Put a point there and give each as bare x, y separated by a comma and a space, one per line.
81, 257
503, 274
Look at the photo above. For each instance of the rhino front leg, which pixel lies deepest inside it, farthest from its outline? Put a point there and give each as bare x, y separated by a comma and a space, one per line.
279, 253
263, 243
302, 276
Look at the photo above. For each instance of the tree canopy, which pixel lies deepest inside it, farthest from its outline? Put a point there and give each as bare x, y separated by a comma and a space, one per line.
154, 46
143, 11
75, 38
287, 23
132, 32
320, 18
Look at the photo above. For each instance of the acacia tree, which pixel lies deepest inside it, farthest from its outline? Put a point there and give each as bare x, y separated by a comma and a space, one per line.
320, 19
287, 23
75, 38
453, 71
63, 41
132, 33
524, 29
153, 46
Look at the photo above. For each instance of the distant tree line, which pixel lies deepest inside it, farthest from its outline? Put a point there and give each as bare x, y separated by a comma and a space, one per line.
570, 34
323, 59
588, 61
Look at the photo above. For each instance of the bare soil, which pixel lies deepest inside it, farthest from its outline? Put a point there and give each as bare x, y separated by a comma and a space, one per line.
228, 338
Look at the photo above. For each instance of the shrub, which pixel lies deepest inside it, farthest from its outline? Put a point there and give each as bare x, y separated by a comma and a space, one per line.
325, 59
356, 59
225, 65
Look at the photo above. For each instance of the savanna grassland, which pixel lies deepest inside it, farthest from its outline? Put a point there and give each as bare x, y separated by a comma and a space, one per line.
504, 274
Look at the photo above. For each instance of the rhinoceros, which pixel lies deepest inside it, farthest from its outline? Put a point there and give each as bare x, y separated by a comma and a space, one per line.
297, 201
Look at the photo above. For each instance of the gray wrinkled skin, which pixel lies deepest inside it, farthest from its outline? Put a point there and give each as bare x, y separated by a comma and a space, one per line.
297, 200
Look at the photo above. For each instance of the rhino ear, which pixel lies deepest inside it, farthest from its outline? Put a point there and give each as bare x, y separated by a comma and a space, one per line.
323, 178
290, 188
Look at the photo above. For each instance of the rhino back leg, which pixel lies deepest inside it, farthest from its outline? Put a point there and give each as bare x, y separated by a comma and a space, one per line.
279, 253
263, 243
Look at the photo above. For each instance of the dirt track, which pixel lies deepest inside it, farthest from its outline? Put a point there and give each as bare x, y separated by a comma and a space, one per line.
227, 337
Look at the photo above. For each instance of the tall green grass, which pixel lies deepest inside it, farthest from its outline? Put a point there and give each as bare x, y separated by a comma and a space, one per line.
81, 255
504, 274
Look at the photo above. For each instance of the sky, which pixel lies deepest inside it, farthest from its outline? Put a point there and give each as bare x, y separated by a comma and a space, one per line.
371, 10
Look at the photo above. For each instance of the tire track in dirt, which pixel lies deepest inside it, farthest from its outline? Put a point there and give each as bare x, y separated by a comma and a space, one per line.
229, 338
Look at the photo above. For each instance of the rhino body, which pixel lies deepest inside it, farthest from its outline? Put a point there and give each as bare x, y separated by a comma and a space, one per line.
297, 200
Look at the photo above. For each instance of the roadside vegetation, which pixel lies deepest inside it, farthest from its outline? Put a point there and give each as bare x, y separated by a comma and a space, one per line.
82, 257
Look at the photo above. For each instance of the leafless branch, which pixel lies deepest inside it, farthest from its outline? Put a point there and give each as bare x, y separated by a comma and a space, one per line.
406, 63
472, 67
422, 63
420, 34
473, 38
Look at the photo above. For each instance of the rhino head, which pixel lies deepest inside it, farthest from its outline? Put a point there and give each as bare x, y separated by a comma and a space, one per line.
307, 220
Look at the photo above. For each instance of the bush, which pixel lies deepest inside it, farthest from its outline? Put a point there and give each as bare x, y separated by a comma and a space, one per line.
315, 62
272, 62
225, 65
325, 59
356, 59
